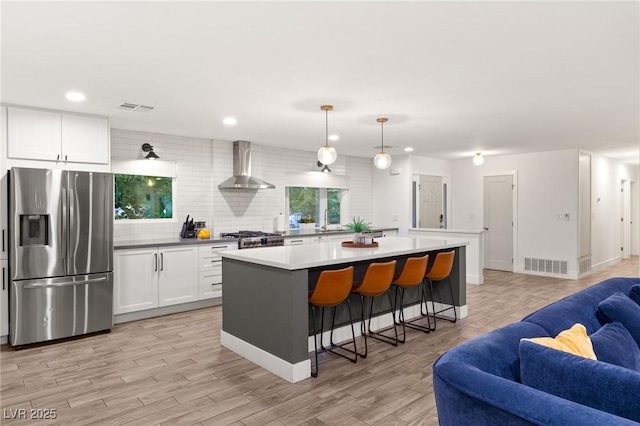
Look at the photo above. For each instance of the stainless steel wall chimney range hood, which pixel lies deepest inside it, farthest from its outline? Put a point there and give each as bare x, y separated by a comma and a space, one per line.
242, 178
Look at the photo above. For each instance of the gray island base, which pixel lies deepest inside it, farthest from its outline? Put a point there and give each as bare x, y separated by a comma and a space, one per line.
265, 314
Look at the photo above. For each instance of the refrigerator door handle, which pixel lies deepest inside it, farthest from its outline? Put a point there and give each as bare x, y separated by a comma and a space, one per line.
65, 283
63, 229
71, 247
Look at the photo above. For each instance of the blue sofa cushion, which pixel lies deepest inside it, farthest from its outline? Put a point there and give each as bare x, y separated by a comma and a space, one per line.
618, 307
592, 383
614, 344
634, 293
579, 307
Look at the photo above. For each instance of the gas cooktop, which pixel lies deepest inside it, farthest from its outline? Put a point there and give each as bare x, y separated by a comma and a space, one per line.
252, 239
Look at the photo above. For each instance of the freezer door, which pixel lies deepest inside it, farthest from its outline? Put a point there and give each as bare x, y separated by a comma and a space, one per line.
36, 221
55, 308
90, 222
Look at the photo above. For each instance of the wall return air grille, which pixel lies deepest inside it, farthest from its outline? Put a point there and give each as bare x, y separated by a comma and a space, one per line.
547, 266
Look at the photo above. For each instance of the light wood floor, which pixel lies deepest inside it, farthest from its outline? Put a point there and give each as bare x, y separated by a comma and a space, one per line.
172, 370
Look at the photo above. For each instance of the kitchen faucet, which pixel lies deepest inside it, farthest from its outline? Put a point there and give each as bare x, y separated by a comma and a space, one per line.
326, 219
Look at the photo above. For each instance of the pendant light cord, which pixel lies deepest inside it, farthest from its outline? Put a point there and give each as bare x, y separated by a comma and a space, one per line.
382, 134
326, 127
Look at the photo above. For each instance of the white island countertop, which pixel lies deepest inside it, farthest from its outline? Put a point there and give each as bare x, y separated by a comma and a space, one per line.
332, 253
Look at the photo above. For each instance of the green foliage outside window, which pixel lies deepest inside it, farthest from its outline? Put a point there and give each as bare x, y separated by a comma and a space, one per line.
304, 201
143, 197
333, 204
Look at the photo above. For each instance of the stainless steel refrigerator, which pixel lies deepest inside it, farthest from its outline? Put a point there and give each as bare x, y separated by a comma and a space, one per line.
61, 254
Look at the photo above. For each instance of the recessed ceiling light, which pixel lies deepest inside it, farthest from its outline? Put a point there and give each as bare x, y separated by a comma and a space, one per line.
408, 149
75, 96
230, 121
334, 137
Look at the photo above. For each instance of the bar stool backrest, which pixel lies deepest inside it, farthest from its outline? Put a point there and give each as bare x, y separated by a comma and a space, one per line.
413, 271
377, 279
332, 288
442, 266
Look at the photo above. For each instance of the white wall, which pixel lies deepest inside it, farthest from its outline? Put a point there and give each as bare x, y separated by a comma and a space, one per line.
392, 194
202, 164
547, 186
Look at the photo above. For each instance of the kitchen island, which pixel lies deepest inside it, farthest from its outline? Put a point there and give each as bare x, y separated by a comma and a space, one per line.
265, 310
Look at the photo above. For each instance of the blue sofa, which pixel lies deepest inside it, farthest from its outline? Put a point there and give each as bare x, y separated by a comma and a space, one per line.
479, 382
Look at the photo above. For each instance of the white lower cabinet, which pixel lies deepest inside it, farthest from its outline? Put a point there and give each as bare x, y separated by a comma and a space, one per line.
210, 269
296, 241
4, 299
178, 275
135, 280
154, 277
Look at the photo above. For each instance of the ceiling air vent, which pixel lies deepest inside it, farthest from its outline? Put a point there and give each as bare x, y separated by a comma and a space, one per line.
135, 107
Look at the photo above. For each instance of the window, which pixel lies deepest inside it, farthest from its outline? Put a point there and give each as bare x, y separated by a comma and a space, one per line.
143, 197
313, 204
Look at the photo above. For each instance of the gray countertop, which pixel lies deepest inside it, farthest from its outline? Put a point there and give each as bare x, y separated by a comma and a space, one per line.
299, 233
163, 242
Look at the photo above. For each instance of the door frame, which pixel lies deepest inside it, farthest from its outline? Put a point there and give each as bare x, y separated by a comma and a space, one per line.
446, 198
516, 266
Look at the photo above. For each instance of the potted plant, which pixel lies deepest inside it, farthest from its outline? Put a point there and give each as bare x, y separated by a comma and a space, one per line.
359, 226
307, 224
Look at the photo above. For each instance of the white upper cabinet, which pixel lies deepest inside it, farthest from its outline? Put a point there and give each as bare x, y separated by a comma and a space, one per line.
57, 136
85, 139
34, 134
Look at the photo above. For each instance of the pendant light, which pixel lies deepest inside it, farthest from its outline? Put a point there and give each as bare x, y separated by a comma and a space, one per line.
478, 160
327, 154
382, 160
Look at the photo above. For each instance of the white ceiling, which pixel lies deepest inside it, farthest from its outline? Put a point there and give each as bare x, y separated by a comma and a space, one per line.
452, 77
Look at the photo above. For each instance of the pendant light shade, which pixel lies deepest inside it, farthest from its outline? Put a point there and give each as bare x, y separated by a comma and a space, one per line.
382, 160
478, 160
327, 154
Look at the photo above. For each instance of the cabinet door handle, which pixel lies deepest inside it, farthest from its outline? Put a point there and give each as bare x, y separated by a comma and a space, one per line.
162, 261
58, 158
3, 278
3, 240
156, 262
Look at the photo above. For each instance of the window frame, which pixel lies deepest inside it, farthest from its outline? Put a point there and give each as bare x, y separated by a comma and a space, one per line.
174, 188
322, 205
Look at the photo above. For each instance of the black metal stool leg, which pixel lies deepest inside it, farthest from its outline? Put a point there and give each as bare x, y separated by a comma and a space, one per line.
378, 334
315, 340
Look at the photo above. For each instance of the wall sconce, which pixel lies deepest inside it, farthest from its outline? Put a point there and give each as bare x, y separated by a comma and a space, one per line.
478, 160
325, 169
151, 155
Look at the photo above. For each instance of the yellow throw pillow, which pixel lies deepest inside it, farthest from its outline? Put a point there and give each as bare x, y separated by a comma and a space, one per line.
574, 341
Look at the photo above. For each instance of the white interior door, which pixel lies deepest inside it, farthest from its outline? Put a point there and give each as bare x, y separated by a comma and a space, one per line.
498, 222
430, 202
625, 219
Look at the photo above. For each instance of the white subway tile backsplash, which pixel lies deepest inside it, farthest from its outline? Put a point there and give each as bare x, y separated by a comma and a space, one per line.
202, 164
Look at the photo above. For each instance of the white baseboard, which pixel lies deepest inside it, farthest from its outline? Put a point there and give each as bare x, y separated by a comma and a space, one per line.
475, 279
602, 265
281, 368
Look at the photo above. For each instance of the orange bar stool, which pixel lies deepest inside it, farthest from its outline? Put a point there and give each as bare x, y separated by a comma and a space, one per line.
377, 281
440, 271
412, 275
332, 289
